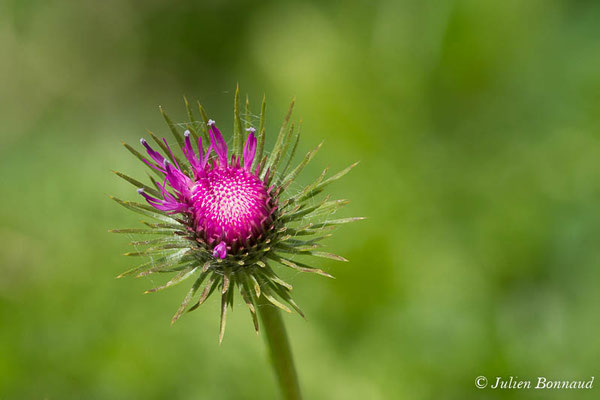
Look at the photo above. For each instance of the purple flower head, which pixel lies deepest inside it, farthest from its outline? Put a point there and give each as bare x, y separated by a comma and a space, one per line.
229, 205
225, 214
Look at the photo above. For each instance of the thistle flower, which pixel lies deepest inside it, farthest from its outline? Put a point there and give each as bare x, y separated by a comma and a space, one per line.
223, 215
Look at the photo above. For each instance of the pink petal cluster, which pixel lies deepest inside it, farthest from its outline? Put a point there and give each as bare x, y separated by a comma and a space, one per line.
228, 202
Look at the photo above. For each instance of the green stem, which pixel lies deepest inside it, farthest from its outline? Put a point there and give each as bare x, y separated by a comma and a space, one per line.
279, 349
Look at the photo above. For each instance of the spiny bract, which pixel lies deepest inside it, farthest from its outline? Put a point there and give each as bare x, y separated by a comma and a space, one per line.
223, 220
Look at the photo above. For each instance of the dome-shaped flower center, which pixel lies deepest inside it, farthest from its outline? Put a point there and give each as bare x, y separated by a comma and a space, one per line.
229, 204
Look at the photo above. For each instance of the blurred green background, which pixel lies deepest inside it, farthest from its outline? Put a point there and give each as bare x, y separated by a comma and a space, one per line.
477, 127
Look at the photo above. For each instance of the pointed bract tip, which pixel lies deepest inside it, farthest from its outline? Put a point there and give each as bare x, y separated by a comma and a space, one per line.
210, 122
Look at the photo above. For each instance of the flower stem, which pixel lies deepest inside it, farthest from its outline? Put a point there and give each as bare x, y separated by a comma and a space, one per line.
279, 349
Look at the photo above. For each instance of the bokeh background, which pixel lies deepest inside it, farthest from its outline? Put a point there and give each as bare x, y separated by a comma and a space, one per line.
477, 127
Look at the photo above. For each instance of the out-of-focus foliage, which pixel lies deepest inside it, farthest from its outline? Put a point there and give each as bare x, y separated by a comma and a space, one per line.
476, 124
